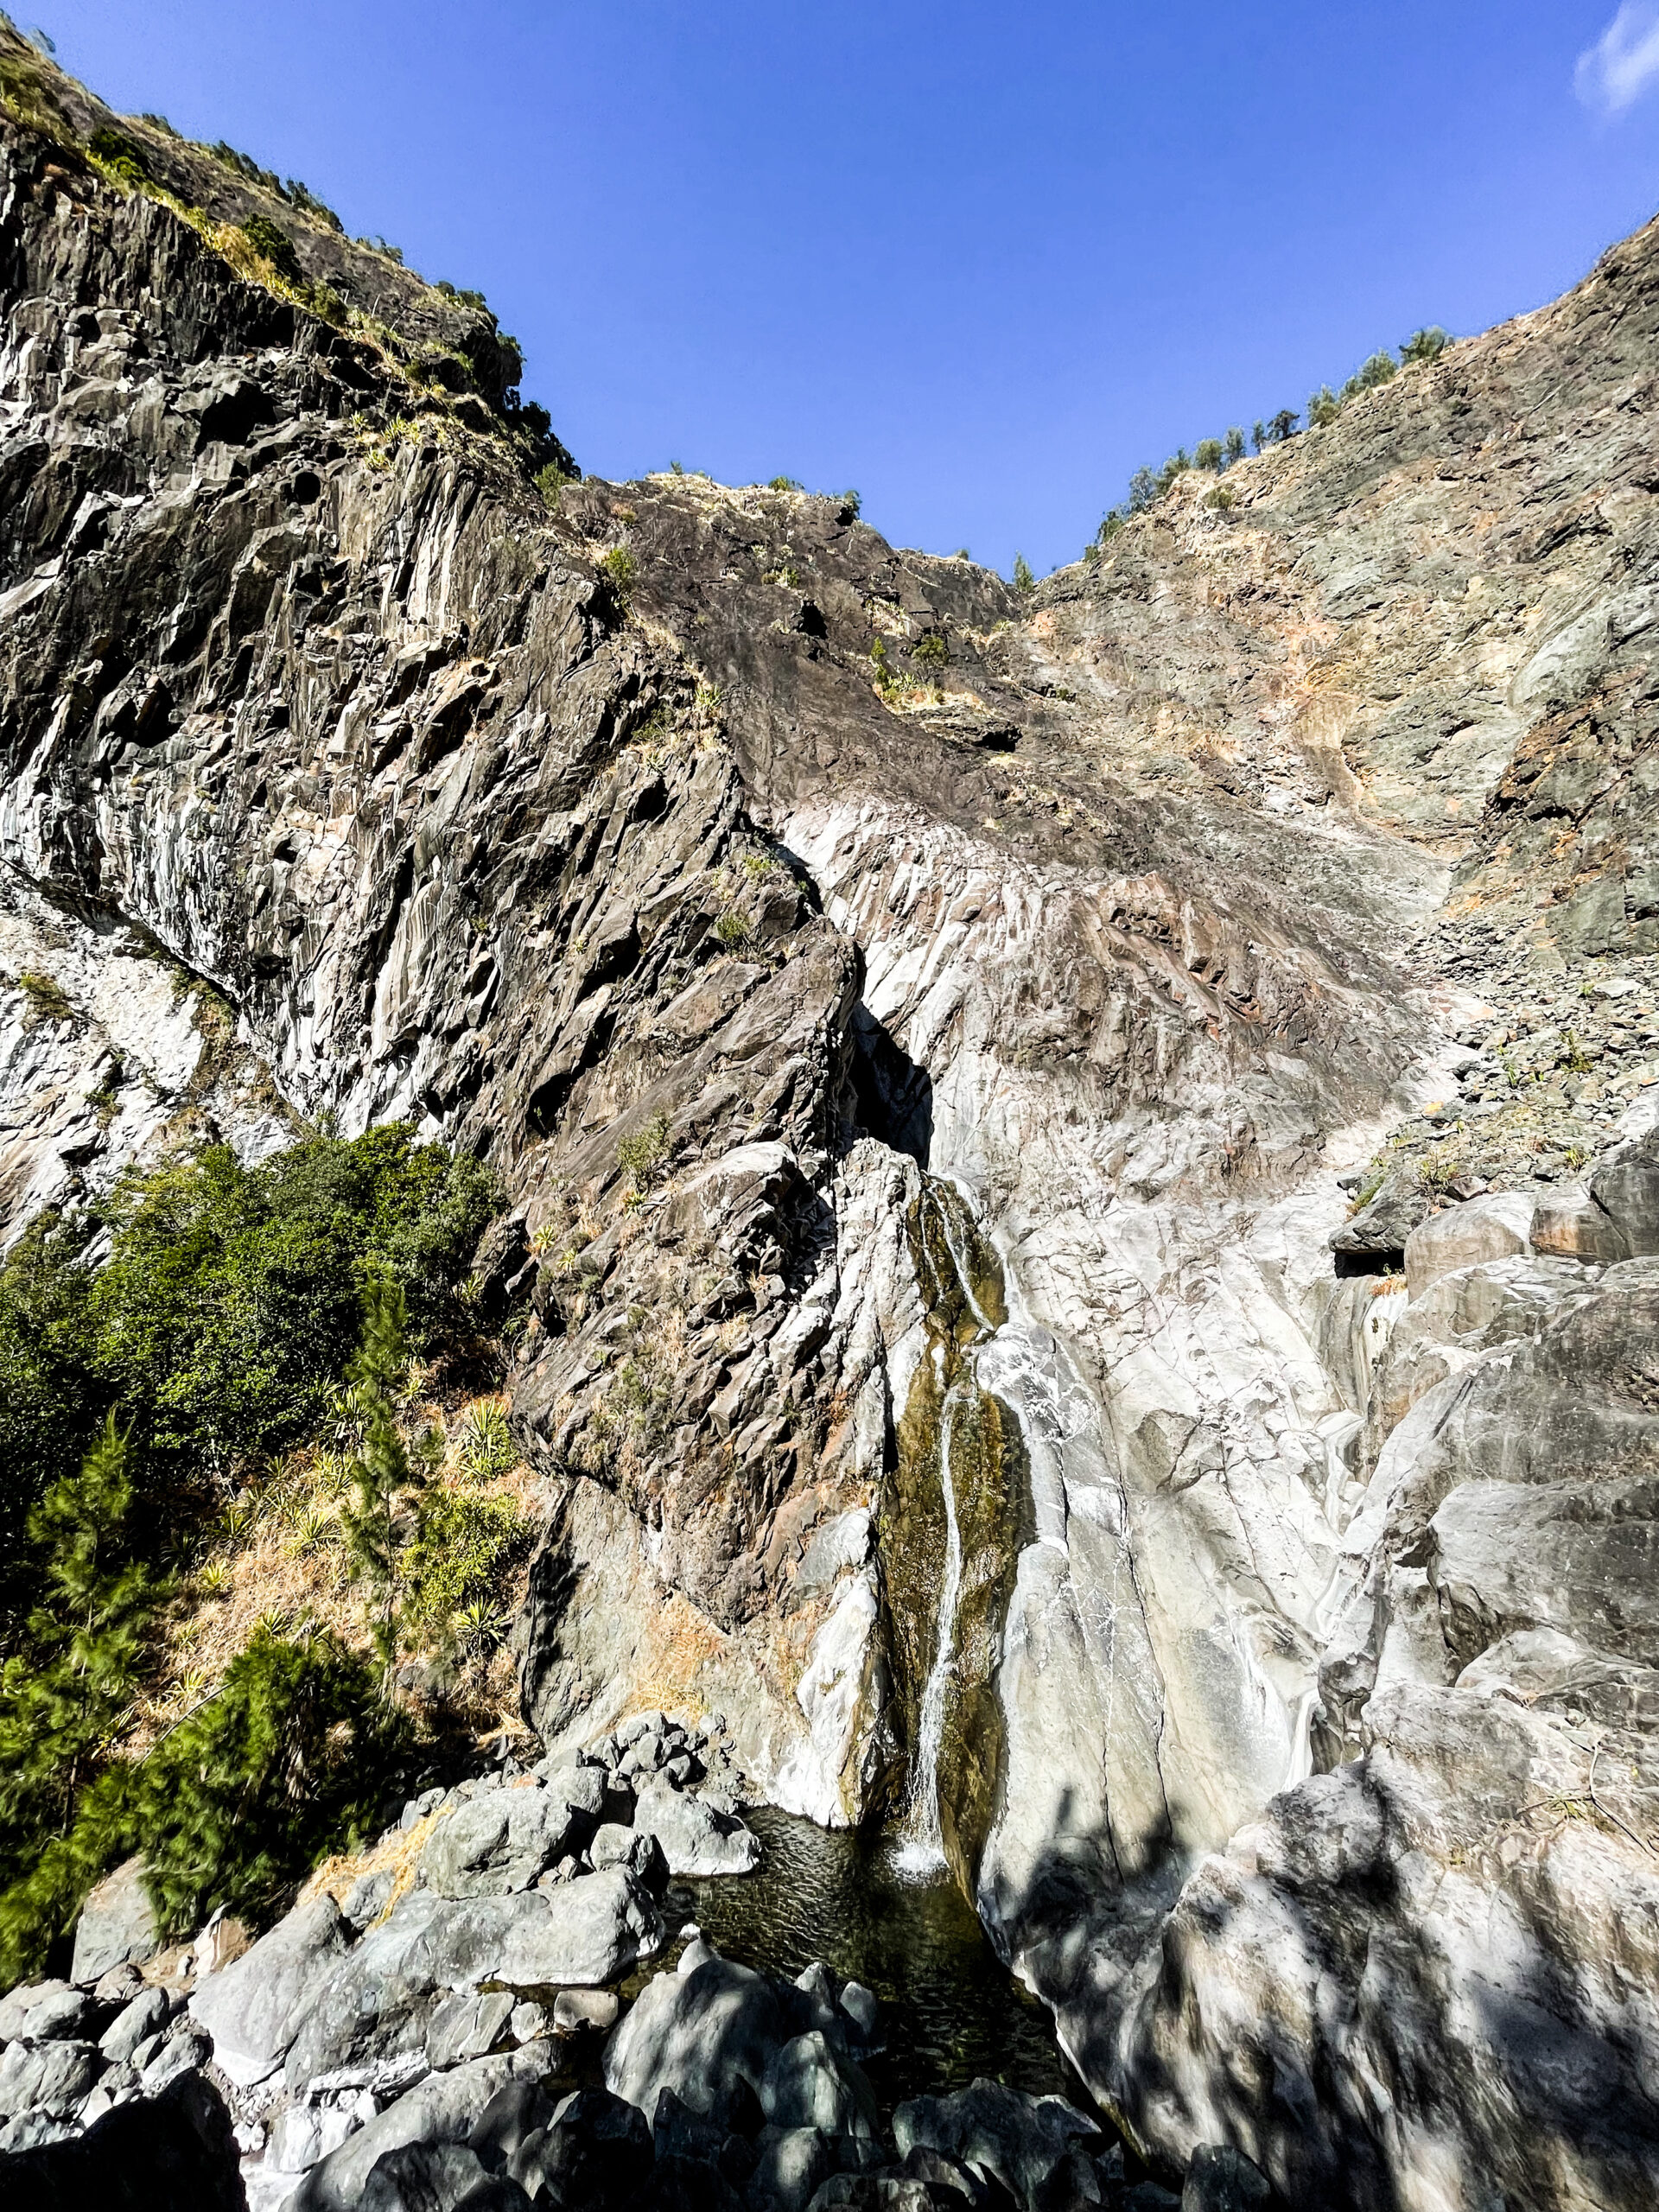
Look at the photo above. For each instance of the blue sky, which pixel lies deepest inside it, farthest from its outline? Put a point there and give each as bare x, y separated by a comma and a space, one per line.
979, 262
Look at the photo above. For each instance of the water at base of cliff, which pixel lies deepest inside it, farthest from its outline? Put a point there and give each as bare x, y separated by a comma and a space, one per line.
952, 2011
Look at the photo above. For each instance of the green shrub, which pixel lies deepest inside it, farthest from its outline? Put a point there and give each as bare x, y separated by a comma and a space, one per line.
295, 1756
1207, 455
275, 245
783, 484
641, 1156
221, 1323
550, 482
886, 676
1426, 345
1323, 408
1023, 579
931, 651
617, 566
851, 506
47, 999
117, 153
486, 1445
467, 1546
1234, 448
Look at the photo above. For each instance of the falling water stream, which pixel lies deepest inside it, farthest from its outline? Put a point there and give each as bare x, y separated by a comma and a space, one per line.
923, 1847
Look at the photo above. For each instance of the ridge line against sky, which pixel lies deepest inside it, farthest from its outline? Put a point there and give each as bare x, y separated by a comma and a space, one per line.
981, 267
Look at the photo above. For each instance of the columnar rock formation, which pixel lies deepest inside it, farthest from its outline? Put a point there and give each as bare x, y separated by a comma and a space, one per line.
935, 1092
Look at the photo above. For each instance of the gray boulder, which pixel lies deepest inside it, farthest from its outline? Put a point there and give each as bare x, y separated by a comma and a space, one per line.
636, 1849
1221, 2179
147, 2012
185, 2049
444, 2108
1496, 1227
808, 2084
375, 2001
467, 2027
793, 2162
695, 1839
172, 2153
49, 2077
254, 2007
1019, 2138
116, 1925
421, 2177
44, 2012
494, 1845
703, 2035
1627, 1191
596, 2154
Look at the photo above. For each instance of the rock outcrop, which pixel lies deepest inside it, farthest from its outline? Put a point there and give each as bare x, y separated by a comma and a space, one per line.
1080, 1244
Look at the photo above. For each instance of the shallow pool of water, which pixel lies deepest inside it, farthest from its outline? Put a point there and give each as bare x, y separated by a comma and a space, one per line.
953, 2011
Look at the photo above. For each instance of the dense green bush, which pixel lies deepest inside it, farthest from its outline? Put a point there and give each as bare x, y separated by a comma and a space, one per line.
294, 1756
467, 1545
224, 1313
267, 238
63, 1701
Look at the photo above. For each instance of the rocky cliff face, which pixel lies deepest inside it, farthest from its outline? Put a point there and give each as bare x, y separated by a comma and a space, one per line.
966, 1343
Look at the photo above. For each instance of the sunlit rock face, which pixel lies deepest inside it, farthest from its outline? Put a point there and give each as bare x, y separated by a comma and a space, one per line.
921, 1089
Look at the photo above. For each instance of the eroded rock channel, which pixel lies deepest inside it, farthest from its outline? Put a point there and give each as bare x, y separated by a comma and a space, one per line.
1078, 1267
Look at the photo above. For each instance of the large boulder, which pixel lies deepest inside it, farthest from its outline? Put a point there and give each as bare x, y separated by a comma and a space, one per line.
695, 1839
254, 2009
492, 1845
1626, 1188
596, 2154
1019, 2138
444, 2108
48, 2077
376, 2001
1570, 1225
421, 2177
39, 2011
705, 2035
171, 2153
807, 2083
116, 1925
1496, 1227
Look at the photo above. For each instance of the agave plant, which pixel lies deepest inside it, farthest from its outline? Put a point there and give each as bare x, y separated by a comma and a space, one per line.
312, 1527
486, 1447
214, 1578
480, 1627
237, 1519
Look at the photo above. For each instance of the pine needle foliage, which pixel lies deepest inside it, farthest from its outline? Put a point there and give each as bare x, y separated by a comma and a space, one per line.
382, 1517
292, 1758
62, 1705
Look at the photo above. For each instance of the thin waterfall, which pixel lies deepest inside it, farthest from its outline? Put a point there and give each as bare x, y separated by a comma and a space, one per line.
923, 1846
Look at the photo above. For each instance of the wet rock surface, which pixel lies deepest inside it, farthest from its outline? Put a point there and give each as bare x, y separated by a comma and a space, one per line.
1081, 1231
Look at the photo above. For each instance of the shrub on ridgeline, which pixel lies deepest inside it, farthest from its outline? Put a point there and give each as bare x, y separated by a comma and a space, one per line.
1023, 579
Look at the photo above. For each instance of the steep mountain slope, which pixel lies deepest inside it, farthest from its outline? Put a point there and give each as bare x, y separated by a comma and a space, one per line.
923, 1080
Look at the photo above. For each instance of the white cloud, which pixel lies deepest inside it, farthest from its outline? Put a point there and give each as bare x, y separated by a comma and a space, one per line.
1624, 62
